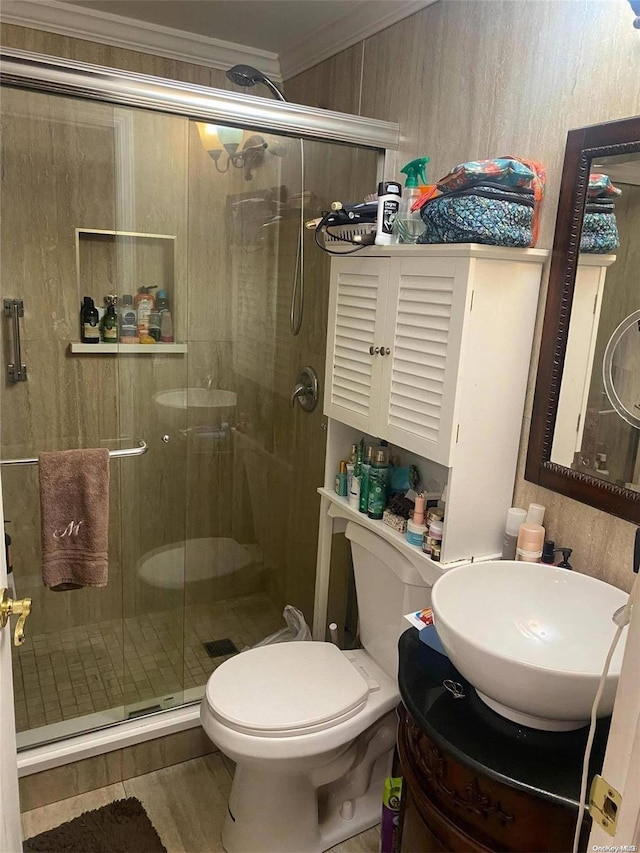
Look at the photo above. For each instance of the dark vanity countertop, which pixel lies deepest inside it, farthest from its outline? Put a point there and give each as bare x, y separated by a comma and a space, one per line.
547, 764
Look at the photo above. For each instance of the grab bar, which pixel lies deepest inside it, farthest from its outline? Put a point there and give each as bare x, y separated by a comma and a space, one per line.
16, 370
113, 454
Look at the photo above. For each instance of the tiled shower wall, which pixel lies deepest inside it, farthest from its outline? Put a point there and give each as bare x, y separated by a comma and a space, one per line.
468, 79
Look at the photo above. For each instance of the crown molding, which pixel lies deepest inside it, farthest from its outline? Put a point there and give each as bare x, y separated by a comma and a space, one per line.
358, 23
105, 28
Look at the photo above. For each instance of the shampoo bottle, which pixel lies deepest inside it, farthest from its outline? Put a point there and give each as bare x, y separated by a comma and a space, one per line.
128, 321
144, 304
110, 322
408, 224
89, 328
389, 193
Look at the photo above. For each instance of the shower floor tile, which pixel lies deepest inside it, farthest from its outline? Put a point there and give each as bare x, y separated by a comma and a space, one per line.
141, 659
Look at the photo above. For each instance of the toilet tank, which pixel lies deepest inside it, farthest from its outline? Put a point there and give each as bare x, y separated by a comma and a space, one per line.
387, 587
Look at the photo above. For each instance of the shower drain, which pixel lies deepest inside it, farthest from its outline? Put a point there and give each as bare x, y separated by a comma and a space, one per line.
218, 648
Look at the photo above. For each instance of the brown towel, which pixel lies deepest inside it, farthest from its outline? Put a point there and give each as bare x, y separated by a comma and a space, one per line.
74, 509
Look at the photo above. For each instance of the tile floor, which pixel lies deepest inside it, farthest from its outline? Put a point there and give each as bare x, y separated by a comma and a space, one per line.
135, 662
186, 803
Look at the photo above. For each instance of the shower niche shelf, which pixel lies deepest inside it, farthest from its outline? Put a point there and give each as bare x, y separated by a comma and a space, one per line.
76, 347
121, 262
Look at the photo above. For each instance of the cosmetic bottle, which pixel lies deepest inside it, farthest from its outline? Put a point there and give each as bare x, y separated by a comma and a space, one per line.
350, 467
415, 526
341, 480
535, 514
364, 478
389, 193
128, 320
432, 541
353, 455
354, 492
530, 543
110, 322
515, 518
166, 328
378, 476
144, 304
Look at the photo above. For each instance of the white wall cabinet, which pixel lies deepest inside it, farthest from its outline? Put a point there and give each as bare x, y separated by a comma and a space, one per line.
428, 347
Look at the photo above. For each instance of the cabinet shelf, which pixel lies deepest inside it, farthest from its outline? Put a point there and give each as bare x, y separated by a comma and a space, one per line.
126, 349
429, 569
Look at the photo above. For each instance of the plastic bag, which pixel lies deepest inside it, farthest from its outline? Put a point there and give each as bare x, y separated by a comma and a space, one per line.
297, 629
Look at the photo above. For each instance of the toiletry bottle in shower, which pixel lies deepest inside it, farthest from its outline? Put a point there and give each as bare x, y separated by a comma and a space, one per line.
378, 476
166, 328
89, 328
128, 321
144, 304
389, 193
162, 300
110, 322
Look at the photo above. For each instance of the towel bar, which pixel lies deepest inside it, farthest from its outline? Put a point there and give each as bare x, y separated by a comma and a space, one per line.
114, 454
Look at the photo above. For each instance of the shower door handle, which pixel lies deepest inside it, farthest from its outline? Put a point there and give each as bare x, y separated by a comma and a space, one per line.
10, 607
16, 370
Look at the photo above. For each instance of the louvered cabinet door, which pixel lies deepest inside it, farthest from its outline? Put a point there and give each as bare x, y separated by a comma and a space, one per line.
357, 304
425, 314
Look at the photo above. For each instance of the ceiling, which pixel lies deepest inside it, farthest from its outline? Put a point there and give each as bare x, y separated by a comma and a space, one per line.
281, 37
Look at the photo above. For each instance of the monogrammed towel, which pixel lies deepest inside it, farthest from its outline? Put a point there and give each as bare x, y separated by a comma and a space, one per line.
74, 510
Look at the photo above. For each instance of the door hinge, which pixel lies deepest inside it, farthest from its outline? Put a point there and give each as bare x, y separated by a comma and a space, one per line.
471, 303
457, 433
578, 422
604, 804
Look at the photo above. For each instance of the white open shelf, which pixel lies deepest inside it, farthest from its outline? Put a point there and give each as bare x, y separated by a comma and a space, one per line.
128, 349
429, 569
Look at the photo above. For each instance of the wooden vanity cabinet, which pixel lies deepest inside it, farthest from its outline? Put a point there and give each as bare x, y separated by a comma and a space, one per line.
449, 806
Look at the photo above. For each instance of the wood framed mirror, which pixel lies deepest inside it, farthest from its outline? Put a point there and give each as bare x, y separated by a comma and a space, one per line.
579, 445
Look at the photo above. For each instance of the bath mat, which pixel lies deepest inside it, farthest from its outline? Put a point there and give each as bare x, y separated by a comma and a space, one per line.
218, 648
119, 827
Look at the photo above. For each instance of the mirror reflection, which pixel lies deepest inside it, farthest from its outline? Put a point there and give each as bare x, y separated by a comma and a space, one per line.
590, 435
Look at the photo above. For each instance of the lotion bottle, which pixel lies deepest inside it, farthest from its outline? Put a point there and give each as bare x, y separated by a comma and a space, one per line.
530, 543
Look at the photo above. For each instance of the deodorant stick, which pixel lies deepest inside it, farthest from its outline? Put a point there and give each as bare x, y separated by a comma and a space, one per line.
389, 193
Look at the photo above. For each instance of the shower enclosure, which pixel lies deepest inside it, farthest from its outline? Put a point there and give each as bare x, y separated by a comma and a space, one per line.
212, 529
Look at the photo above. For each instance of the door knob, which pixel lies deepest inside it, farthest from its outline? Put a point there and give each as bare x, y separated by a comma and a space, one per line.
374, 350
20, 608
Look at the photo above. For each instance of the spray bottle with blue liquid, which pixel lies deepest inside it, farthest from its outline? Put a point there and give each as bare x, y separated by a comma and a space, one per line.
409, 226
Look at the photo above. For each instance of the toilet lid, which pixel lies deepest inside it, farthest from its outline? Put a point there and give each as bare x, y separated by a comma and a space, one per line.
284, 688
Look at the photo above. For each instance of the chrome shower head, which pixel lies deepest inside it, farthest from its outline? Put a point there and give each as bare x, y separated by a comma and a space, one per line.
247, 75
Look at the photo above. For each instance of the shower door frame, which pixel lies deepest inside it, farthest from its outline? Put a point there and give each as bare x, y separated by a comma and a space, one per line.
54, 75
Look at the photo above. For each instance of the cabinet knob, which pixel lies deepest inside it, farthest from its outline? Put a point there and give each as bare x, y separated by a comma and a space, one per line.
385, 351
374, 350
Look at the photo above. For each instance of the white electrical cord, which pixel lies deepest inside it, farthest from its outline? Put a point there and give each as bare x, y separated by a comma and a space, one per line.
621, 618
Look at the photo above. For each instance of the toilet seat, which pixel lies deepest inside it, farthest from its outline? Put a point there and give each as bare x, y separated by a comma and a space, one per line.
287, 689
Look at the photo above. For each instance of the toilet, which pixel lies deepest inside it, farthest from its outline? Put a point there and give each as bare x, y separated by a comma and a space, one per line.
310, 727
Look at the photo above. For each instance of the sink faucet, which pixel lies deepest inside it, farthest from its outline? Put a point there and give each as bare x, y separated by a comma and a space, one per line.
209, 379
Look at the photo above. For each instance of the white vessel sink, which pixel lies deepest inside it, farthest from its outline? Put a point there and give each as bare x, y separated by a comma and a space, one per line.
196, 398
531, 638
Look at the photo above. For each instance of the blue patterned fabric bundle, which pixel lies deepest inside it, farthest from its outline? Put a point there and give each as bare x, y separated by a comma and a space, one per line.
599, 226
490, 213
